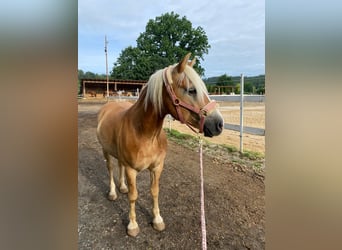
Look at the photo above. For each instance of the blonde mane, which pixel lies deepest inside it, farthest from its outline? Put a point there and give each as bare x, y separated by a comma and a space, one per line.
154, 87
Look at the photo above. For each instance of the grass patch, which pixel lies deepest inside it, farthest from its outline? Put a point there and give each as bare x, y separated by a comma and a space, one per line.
255, 160
258, 166
252, 155
230, 149
178, 135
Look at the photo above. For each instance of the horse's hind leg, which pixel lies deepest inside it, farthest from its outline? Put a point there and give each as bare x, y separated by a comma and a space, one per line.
158, 223
110, 166
123, 188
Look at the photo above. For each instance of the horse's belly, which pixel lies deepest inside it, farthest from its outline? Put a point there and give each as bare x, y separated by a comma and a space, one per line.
112, 150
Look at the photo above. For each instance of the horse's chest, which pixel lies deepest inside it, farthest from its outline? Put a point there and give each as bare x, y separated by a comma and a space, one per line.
145, 155
149, 156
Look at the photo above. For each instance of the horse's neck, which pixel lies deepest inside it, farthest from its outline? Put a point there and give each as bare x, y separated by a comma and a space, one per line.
146, 122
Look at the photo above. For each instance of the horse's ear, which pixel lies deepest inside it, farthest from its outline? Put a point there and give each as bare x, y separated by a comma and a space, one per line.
181, 65
192, 63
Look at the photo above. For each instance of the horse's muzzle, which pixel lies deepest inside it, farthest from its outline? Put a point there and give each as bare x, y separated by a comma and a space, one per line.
213, 125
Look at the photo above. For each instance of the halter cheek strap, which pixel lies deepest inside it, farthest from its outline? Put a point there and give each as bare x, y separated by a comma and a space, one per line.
203, 112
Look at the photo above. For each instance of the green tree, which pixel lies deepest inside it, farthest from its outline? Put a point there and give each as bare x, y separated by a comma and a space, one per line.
165, 41
89, 75
210, 88
126, 65
247, 88
80, 74
225, 80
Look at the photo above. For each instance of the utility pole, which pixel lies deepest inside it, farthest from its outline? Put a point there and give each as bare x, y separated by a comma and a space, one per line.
106, 42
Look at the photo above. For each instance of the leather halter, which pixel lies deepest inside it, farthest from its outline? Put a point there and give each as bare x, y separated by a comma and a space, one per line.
203, 112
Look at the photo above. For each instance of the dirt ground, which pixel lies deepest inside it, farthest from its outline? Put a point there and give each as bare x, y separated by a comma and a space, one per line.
234, 199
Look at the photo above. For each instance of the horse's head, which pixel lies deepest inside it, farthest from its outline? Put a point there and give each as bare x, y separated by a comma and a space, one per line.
188, 99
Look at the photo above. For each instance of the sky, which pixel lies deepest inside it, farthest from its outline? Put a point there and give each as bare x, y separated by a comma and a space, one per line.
235, 30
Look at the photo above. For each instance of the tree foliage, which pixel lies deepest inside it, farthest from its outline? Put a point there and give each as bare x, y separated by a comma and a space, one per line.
252, 84
87, 75
225, 80
165, 41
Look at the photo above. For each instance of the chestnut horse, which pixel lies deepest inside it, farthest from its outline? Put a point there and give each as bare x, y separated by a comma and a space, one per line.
133, 133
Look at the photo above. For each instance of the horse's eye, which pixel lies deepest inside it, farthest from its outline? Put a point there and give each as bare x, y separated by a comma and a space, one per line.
192, 91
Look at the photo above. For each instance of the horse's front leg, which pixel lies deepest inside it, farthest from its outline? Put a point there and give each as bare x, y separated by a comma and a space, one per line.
158, 222
131, 174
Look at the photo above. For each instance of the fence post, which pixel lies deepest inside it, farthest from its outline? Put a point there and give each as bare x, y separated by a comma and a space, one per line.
241, 112
84, 90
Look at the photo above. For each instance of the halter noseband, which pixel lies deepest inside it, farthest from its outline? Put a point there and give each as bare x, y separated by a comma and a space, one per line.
203, 112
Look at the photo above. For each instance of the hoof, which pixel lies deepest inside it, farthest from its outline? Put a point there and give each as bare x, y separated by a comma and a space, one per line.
133, 232
159, 226
112, 197
124, 190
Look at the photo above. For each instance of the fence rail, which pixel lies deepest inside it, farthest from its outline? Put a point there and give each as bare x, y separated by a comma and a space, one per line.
248, 130
237, 98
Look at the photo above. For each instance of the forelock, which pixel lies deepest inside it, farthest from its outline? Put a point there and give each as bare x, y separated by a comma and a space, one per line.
196, 81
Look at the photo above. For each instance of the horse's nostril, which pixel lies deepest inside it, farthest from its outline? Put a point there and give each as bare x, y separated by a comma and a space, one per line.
219, 125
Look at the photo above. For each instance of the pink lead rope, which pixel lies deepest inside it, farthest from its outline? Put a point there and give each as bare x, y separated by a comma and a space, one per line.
202, 113
204, 232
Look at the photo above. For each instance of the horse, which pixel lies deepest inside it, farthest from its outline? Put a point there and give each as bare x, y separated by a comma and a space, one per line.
92, 93
110, 93
133, 133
